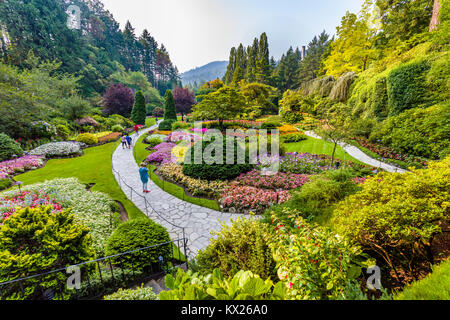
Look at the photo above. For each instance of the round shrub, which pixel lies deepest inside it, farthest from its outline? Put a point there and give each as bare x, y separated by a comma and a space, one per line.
166, 125
241, 246
215, 171
62, 131
293, 137
137, 234
117, 128
154, 142
57, 149
5, 183
9, 147
158, 112
87, 138
179, 125
271, 125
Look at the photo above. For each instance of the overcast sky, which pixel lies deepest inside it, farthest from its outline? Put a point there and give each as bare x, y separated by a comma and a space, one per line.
196, 32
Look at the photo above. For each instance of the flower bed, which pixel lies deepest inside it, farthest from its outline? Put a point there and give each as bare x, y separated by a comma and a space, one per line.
287, 129
99, 135
93, 209
196, 187
303, 163
58, 149
285, 181
177, 136
11, 203
19, 165
113, 136
163, 153
245, 199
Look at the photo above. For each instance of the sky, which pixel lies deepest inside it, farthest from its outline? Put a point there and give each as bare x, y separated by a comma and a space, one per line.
196, 32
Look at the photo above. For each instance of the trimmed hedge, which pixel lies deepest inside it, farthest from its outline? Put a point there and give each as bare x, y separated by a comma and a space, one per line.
137, 234
87, 138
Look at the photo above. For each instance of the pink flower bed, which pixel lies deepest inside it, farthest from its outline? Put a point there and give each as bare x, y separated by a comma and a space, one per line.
10, 167
245, 198
10, 204
163, 153
280, 180
359, 180
181, 135
198, 130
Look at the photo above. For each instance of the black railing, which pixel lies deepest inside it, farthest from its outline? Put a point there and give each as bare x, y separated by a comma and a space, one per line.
96, 278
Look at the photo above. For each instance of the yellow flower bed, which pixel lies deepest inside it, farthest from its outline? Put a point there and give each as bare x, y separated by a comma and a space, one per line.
179, 152
162, 132
197, 187
287, 128
99, 135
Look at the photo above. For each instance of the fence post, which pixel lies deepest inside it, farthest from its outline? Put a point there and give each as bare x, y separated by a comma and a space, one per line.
185, 252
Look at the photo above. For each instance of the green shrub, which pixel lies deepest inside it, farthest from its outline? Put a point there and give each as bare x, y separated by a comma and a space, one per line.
140, 293
117, 128
9, 147
166, 125
153, 142
241, 246
62, 131
436, 286
314, 262
5, 184
37, 240
215, 171
293, 137
244, 285
406, 86
179, 125
87, 138
271, 125
170, 112
137, 234
398, 216
380, 101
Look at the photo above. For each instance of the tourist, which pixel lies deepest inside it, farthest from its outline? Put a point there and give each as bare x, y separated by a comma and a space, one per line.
136, 129
124, 141
128, 141
143, 172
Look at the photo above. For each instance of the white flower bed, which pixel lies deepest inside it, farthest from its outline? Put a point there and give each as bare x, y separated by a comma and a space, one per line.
58, 149
92, 209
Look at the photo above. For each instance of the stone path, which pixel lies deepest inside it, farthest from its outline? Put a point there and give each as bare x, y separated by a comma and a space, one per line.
166, 209
361, 156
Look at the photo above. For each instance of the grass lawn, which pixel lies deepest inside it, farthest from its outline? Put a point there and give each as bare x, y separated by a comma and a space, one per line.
93, 167
140, 153
319, 146
150, 122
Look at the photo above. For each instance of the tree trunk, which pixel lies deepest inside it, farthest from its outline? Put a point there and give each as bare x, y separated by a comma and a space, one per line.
435, 18
332, 156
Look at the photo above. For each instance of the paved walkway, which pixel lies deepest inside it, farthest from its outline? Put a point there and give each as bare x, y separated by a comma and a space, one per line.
361, 156
197, 221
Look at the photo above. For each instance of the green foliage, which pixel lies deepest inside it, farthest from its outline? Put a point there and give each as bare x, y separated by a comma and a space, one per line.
435, 286
75, 107
293, 137
117, 128
407, 86
420, 132
215, 168
137, 234
139, 293
36, 240
340, 90
244, 285
158, 112
170, 112
293, 104
62, 131
240, 246
87, 138
314, 263
179, 125
5, 184
166, 125
153, 142
139, 113
9, 147
398, 216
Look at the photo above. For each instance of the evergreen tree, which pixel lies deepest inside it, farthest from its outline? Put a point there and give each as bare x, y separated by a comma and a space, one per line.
309, 67
287, 70
149, 47
170, 112
252, 53
231, 67
241, 64
263, 62
139, 112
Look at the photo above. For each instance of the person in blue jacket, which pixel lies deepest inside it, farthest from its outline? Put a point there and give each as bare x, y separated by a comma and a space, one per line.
128, 141
143, 172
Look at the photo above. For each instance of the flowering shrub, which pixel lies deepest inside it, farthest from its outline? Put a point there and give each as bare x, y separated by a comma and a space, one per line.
92, 209
302, 163
42, 129
10, 167
162, 137
313, 263
99, 135
245, 198
163, 153
177, 136
359, 180
57, 149
287, 128
114, 136
88, 121
196, 187
280, 180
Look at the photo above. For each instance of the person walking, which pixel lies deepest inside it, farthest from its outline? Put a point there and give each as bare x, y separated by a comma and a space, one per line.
143, 172
136, 129
124, 141
128, 141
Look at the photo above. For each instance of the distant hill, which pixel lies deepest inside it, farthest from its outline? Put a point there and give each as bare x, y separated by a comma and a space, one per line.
208, 72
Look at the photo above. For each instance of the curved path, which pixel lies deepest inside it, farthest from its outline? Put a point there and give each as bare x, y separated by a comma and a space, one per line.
361, 156
197, 221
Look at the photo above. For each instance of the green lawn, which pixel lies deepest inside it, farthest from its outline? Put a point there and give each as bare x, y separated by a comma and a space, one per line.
319, 146
93, 167
150, 122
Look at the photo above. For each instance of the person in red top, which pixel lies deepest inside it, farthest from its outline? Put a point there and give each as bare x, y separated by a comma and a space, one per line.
136, 129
